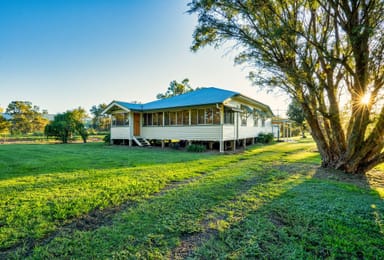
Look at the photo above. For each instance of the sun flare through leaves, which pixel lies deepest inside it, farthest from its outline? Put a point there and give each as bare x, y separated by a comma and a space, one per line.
365, 99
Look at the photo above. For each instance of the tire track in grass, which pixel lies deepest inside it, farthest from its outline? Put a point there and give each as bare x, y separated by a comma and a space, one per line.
233, 211
313, 219
189, 242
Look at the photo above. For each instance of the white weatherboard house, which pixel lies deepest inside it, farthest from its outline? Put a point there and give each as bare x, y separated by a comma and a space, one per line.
209, 115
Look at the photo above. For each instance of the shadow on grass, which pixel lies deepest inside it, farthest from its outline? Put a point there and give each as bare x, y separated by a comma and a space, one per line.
22, 160
154, 226
269, 212
331, 215
246, 208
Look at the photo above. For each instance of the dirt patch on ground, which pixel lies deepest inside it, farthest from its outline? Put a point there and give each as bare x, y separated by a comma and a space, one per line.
372, 179
189, 243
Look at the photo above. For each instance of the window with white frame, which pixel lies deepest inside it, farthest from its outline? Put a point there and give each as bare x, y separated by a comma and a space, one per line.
209, 116
263, 119
120, 119
256, 117
244, 118
172, 118
155, 119
216, 116
185, 117
201, 116
193, 116
229, 116
179, 117
166, 118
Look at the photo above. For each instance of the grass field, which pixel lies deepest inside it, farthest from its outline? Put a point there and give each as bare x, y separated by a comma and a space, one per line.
97, 201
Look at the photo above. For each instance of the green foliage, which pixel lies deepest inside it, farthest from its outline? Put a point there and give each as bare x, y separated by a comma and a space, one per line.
107, 138
82, 131
60, 127
175, 88
67, 124
4, 124
100, 122
174, 145
295, 113
305, 50
25, 117
196, 148
264, 138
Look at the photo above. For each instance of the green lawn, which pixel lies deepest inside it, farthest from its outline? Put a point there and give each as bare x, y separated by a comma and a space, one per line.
97, 201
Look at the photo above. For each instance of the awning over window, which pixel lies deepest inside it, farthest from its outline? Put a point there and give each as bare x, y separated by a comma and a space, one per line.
261, 113
247, 109
234, 109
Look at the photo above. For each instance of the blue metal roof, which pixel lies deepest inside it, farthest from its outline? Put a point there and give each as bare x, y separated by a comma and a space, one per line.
131, 106
203, 96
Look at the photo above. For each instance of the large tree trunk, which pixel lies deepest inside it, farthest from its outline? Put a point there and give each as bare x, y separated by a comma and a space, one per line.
360, 156
357, 149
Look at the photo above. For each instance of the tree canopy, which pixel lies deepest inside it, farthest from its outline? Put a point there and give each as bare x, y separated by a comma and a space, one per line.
176, 88
296, 114
25, 117
4, 124
67, 124
100, 121
321, 52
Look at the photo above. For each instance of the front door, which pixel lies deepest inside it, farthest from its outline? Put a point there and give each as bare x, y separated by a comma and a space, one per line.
136, 124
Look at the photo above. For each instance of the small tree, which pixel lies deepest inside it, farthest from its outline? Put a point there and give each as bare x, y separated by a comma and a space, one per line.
175, 88
296, 114
60, 127
67, 124
82, 131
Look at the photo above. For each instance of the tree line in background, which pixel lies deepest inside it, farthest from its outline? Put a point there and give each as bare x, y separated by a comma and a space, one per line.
23, 118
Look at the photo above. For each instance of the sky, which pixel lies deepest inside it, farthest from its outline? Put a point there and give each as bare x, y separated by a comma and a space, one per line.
64, 54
